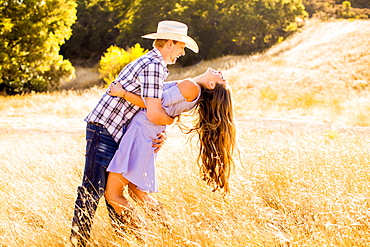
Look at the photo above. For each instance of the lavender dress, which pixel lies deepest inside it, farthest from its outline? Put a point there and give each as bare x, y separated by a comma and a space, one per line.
135, 157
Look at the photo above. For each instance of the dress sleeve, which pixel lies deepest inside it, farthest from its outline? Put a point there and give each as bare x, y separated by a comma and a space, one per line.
171, 95
174, 103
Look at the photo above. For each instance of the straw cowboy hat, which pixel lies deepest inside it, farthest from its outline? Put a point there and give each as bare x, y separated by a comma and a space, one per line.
173, 30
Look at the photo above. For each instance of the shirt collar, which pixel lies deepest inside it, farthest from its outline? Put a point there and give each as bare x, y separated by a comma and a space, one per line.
158, 54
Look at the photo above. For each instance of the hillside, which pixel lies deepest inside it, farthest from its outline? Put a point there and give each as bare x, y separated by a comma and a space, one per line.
322, 72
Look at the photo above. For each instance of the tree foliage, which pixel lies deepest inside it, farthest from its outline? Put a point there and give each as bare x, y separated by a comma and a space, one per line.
245, 26
31, 34
95, 29
333, 9
356, 3
220, 27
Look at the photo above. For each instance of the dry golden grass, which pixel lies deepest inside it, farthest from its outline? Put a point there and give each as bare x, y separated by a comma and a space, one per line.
302, 171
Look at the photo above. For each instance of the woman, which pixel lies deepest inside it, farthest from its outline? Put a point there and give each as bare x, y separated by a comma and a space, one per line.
134, 162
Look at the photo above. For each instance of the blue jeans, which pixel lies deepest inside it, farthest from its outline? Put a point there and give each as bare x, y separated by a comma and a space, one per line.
100, 149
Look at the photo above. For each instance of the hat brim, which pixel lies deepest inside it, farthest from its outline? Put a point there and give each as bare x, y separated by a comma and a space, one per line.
189, 42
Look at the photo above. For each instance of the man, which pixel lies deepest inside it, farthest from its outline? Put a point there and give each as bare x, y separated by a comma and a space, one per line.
107, 122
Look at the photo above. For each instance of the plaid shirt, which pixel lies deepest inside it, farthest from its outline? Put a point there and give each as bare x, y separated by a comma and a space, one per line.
145, 77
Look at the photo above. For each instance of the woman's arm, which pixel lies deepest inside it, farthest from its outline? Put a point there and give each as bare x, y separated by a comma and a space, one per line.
116, 89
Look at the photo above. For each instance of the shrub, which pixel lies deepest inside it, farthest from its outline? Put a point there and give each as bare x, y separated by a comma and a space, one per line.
327, 10
115, 59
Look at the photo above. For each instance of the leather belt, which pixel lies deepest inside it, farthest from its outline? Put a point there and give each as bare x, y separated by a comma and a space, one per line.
97, 124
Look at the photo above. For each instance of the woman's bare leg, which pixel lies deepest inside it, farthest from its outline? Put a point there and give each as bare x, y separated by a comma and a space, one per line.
114, 192
141, 196
129, 219
153, 208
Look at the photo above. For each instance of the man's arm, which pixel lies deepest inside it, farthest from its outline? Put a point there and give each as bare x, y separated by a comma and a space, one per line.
155, 112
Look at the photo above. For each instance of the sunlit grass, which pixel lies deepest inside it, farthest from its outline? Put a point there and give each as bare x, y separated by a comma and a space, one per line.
297, 182
64, 104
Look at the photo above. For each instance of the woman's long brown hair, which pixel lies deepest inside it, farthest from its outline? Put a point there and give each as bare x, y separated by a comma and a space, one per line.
216, 129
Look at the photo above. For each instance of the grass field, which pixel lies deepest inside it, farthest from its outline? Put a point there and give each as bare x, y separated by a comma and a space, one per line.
302, 173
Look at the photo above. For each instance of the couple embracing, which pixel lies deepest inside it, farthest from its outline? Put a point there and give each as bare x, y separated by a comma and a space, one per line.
127, 128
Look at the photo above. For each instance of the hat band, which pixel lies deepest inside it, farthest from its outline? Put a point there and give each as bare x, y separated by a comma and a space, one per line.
171, 30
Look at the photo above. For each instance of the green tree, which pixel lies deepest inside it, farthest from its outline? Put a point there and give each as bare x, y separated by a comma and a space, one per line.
313, 6
31, 34
356, 3
205, 22
95, 29
220, 27
346, 10
334, 9
142, 17
241, 26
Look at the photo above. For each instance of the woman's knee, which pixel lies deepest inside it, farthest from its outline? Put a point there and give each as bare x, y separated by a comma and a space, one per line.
109, 196
142, 196
115, 186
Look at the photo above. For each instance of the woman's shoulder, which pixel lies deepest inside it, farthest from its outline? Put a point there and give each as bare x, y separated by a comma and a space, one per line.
189, 89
